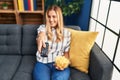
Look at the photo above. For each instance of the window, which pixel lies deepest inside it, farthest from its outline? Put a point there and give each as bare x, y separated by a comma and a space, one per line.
105, 18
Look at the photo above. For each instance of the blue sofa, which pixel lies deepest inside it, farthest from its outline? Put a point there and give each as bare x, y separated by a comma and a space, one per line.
18, 49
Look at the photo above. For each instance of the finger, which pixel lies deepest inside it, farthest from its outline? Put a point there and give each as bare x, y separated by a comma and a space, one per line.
39, 49
62, 69
43, 43
40, 46
59, 68
56, 66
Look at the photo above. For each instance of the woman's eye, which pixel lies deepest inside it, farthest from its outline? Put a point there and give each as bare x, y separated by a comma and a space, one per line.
54, 16
48, 16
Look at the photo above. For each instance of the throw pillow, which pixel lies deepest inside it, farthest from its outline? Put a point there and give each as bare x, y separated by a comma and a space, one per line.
80, 47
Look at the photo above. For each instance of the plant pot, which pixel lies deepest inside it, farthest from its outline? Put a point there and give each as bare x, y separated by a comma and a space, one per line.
5, 7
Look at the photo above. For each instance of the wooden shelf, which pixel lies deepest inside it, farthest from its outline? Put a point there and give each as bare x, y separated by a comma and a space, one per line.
37, 12
12, 15
7, 11
7, 18
31, 18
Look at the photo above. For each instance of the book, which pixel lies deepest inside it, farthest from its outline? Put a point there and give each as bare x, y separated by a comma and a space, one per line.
26, 4
35, 4
29, 5
20, 5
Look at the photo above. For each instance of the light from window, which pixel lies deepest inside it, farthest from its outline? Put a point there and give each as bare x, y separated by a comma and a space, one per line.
95, 4
92, 25
104, 4
116, 75
109, 43
114, 17
100, 29
117, 58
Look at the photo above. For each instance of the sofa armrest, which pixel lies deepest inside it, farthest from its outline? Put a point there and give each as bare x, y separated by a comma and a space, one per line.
100, 67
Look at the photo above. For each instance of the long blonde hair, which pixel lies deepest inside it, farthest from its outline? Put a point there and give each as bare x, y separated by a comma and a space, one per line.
59, 27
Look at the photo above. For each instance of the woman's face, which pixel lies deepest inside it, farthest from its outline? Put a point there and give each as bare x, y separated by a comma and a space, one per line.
52, 18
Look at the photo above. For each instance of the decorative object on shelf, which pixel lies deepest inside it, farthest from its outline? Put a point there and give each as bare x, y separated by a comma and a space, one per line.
5, 5
68, 7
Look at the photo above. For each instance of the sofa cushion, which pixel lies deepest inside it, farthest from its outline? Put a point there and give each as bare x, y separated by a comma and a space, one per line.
78, 75
10, 39
29, 45
8, 66
81, 44
73, 27
25, 69
100, 66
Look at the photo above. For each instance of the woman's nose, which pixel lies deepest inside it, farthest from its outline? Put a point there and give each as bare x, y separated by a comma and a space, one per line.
51, 19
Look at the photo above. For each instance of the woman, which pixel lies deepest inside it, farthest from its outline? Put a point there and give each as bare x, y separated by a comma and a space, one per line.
59, 43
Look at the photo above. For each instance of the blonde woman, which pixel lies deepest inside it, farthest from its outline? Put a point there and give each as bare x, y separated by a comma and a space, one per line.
58, 38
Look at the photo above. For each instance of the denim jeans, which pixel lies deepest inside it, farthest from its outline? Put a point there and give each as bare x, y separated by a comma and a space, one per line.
49, 72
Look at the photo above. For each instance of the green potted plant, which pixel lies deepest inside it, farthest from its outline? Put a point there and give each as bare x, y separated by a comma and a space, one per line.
68, 8
4, 5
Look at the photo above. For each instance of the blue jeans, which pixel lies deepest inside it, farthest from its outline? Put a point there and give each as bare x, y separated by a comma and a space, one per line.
49, 72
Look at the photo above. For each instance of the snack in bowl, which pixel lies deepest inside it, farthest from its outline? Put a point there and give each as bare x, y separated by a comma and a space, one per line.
62, 62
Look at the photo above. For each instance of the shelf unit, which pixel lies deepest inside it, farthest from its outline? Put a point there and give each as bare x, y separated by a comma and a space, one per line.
13, 16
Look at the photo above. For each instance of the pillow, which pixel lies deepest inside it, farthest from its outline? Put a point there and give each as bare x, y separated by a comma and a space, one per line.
80, 47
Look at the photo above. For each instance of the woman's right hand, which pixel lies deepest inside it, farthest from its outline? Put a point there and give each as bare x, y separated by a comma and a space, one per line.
41, 41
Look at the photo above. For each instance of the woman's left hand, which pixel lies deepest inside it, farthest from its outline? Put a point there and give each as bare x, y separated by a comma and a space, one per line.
58, 68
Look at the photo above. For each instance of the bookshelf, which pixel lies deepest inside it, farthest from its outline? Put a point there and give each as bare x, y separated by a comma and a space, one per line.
13, 14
